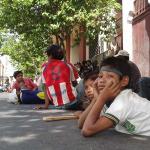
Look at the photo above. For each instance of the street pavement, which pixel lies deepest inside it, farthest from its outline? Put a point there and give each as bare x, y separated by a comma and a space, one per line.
22, 128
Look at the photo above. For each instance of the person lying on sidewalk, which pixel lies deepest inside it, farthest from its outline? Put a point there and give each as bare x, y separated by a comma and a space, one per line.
88, 96
90, 92
128, 113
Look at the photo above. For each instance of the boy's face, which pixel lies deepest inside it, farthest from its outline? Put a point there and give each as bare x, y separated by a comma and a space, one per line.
89, 89
19, 77
106, 77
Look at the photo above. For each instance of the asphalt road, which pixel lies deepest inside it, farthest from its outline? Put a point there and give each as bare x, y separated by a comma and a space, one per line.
22, 128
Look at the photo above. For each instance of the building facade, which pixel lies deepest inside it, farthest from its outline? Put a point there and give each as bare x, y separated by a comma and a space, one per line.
136, 32
1, 73
141, 36
6, 69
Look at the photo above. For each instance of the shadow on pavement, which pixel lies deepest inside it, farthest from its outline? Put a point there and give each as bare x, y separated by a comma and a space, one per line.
22, 128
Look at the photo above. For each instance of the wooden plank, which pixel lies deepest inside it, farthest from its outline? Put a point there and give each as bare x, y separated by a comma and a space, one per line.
60, 117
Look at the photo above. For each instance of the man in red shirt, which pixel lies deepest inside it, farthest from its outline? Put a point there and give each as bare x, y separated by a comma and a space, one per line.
57, 77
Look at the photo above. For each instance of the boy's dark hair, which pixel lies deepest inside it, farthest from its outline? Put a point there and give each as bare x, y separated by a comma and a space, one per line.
124, 57
90, 76
16, 73
119, 64
55, 51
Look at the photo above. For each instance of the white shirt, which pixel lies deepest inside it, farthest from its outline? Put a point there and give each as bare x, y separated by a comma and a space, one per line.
130, 113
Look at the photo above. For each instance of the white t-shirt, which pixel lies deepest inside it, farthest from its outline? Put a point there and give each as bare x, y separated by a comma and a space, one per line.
130, 113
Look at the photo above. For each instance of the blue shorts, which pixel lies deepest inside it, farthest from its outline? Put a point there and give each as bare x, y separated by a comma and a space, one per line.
31, 97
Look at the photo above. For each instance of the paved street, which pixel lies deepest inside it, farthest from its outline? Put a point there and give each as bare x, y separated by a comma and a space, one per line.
22, 128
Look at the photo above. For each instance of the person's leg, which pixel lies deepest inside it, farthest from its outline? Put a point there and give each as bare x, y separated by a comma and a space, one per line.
144, 85
74, 105
19, 99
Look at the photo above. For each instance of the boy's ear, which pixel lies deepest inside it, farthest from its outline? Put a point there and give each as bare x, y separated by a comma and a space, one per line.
125, 81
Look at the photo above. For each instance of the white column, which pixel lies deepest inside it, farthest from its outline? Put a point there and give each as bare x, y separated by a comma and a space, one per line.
127, 6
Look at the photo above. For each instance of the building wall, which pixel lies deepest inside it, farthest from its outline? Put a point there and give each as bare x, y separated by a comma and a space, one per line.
78, 51
74, 54
1, 73
8, 68
141, 37
141, 48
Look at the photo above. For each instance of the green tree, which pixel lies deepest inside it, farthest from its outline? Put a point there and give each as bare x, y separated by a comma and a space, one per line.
21, 55
37, 22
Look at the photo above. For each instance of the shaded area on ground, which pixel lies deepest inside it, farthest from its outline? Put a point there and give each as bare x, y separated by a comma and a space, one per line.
21, 127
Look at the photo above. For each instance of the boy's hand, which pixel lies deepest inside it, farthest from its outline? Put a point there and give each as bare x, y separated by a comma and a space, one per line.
41, 107
95, 88
111, 90
78, 113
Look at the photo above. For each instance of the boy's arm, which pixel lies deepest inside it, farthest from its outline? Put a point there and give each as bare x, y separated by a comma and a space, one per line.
94, 123
46, 101
85, 113
12, 87
46, 98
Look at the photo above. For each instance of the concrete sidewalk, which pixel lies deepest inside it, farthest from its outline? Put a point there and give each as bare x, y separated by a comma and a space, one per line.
22, 128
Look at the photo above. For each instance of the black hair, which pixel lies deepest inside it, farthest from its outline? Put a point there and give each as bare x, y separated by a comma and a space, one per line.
123, 57
90, 76
120, 64
16, 73
55, 51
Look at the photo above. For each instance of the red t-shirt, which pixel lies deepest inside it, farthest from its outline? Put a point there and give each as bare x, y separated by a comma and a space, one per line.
57, 76
28, 83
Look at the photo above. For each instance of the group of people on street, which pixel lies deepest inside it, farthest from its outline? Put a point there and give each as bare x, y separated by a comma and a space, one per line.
111, 96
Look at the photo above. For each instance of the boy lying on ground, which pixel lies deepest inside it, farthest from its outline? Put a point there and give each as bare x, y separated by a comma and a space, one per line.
88, 96
129, 113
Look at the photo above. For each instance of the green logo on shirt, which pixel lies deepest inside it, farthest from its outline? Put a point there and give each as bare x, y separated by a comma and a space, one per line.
129, 126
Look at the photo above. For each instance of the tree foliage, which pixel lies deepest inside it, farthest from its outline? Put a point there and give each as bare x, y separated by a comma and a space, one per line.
21, 55
37, 22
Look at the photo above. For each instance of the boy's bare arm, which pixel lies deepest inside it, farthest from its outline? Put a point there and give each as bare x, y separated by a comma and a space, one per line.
85, 113
46, 101
46, 98
94, 123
